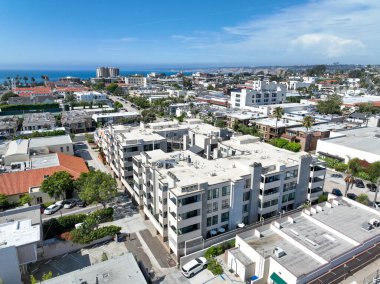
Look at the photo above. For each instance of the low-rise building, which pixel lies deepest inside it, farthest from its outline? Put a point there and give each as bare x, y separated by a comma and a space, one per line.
90, 96
18, 248
136, 81
26, 177
318, 245
39, 120
114, 117
8, 124
122, 269
362, 143
76, 121
271, 93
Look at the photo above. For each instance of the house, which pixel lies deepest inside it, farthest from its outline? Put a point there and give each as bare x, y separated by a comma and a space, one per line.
8, 124
76, 121
36, 121
31, 174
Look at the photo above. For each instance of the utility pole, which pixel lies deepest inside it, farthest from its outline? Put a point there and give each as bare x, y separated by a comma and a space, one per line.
377, 190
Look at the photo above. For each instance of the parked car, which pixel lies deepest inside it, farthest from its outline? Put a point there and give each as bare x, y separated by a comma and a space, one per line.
336, 175
194, 266
377, 205
351, 196
81, 203
371, 186
60, 203
69, 204
52, 209
359, 183
336, 192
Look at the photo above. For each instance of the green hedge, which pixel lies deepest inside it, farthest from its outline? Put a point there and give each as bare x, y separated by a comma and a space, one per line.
218, 250
29, 106
56, 226
80, 237
285, 144
36, 134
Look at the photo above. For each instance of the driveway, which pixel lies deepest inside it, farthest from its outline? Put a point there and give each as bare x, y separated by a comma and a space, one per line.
84, 150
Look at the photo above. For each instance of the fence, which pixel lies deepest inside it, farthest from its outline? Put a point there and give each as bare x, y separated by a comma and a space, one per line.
192, 247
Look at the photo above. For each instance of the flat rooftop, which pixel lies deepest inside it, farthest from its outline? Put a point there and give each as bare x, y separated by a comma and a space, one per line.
347, 218
115, 114
225, 169
280, 123
324, 127
50, 141
366, 139
18, 233
295, 259
44, 161
16, 147
134, 135
123, 269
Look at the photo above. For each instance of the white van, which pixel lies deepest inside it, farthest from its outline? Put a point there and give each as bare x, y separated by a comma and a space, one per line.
194, 266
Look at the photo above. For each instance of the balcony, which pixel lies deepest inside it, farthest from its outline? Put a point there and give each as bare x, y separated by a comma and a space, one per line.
316, 182
318, 173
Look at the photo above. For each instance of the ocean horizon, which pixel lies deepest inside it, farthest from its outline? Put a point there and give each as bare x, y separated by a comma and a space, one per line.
54, 75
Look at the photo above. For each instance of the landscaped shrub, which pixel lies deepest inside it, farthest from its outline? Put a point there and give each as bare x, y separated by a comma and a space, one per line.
214, 267
293, 146
57, 226
340, 167
103, 215
279, 142
80, 236
364, 175
218, 250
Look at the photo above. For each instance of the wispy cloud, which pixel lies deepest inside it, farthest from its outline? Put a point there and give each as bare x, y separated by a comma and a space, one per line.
121, 40
317, 31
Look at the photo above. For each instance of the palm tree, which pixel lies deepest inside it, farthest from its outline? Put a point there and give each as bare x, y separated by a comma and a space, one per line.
25, 80
278, 113
33, 81
45, 78
308, 122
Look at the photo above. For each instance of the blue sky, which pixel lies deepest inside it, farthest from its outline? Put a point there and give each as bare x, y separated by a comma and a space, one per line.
81, 34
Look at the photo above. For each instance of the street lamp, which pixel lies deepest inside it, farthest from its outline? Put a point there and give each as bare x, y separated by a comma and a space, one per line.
349, 179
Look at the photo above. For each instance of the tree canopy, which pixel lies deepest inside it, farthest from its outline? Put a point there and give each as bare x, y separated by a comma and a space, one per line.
58, 184
96, 186
317, 70
331, 105
5, 97
112, 87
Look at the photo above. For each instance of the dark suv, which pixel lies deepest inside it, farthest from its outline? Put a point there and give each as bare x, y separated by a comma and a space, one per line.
359, 183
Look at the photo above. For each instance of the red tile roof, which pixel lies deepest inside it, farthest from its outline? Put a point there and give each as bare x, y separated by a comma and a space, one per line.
20, 182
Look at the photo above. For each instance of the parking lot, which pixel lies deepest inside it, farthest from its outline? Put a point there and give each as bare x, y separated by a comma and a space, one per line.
339, 183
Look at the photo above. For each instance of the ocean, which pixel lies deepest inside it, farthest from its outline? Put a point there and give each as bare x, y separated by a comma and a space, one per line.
54, 75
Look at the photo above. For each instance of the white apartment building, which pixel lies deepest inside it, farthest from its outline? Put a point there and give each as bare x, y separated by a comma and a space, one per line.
90, 96
187, 197
266, 94
136, 81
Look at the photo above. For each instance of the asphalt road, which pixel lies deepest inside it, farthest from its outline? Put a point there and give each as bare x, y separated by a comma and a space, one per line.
74, 210
126, 104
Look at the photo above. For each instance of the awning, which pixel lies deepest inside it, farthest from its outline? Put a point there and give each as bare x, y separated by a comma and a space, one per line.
196, 149
277, 279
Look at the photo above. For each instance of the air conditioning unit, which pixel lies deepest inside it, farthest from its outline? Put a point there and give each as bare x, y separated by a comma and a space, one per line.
279, 252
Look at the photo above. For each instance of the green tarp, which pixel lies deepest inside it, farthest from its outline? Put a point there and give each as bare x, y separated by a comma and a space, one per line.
277, 279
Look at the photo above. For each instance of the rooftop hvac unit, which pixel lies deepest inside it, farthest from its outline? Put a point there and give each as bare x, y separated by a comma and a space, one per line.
159, 165
279, 252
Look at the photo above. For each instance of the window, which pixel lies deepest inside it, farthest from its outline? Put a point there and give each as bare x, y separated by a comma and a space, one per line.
288, 197
270, 203
270, 179
189, 200
39, 200
148, 147
212, 193
215, 206
225, 190
225, 217
290, 186
291, 174
245, 208
209, 208
246, 196
61, 149
247, 183
225, 203
212, 220
269, 191
67, 149
188, 229
132, 149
